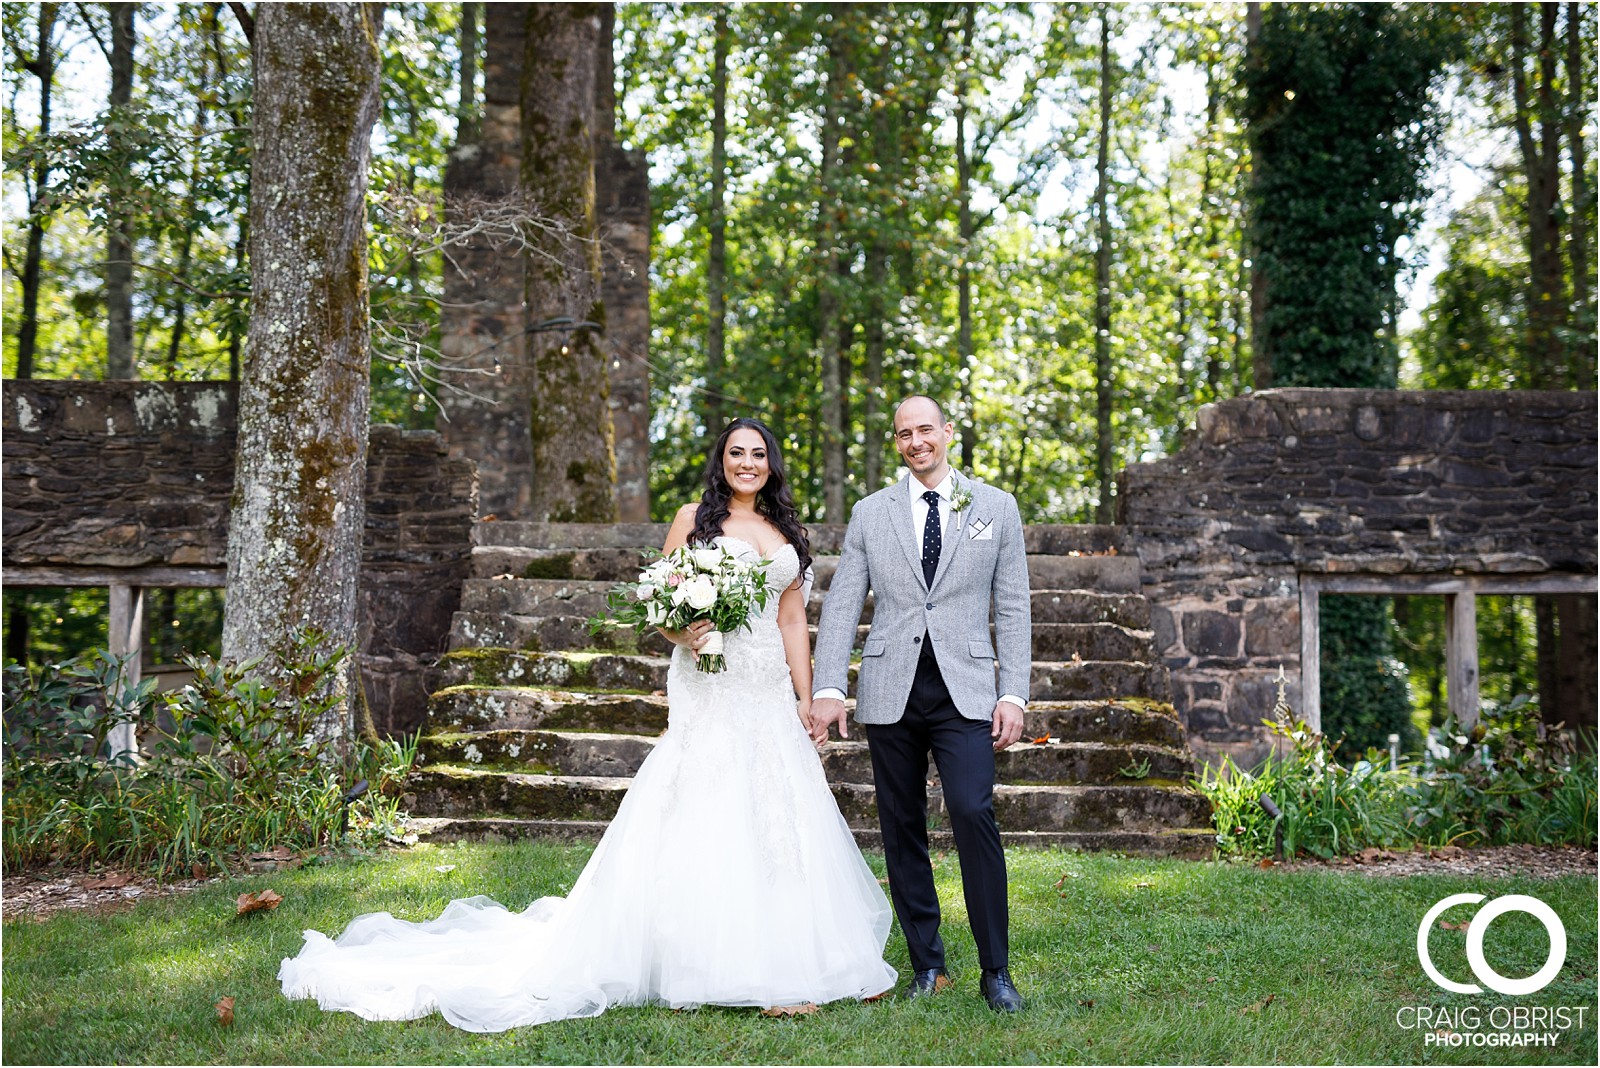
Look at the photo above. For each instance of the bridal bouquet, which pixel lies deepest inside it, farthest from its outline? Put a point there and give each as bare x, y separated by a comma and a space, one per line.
689, 584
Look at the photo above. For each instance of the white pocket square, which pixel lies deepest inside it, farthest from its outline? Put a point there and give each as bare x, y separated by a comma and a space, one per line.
981, 530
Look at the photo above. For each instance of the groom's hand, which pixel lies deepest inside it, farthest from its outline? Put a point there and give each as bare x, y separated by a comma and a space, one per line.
825, 712
1006, 728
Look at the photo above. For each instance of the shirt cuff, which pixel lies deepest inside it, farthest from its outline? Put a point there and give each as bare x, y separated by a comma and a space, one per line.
1015, 700
837, 695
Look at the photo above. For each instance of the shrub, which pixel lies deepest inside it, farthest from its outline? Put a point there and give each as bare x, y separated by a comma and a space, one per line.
230, 763
1504, 782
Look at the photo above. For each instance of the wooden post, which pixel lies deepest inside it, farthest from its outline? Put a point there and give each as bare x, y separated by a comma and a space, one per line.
127, 636
1310, 654
1461, 657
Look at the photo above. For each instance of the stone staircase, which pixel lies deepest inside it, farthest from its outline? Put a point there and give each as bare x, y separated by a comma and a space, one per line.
536, 727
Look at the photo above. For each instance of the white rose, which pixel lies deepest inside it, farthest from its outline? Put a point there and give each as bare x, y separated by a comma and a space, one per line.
701, 593
645, 592
707, 558
656, 614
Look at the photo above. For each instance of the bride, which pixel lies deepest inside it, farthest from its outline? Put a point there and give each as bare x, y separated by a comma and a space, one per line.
727, 877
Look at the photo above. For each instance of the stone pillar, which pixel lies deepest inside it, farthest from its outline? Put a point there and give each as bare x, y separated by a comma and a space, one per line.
487, 416
622, 188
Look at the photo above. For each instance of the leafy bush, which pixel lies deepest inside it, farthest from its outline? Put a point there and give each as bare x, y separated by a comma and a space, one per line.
1508, 780
231, 762
1503, 783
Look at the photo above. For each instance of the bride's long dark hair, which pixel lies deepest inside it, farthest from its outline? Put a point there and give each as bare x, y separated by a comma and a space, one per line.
773, 500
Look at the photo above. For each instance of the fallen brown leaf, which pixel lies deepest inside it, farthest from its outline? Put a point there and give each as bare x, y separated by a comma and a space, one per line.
1043, 739
1263, 1003
109, 881
1211, 978
1446, 925
875, 997
1448, 852
198, 870
490, 518
260, 901
781, 1011
225, 1012
1267, 862
1143, 886
1087, 1003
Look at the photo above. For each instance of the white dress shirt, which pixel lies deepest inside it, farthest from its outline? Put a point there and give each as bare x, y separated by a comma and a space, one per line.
919, 520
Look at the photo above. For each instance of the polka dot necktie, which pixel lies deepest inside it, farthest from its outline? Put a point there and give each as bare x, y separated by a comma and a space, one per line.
931, 544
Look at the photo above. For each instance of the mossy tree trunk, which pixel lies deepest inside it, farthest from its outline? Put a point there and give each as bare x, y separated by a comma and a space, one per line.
119, 227
574, 469
294, 541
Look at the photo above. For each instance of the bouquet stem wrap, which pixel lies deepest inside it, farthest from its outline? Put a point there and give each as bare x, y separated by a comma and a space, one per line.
711, 658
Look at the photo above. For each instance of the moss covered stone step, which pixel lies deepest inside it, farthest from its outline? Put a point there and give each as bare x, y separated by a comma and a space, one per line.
825, 538
1125, 721
549, 633
1054, 762
587, 597
1057, 808
465, 791
558, 670
1190, 843
1106, 574
539, 751
475, 792
1071, 680
459, 709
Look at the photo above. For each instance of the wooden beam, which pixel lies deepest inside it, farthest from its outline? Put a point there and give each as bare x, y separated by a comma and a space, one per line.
1310, 653
1461, 657
158, 577
1550, 582
127, 637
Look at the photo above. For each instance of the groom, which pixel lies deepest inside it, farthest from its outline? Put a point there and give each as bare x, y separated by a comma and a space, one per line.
936, 550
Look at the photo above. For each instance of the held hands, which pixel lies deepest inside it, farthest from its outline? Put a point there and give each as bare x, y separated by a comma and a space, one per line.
827, 711
1007, 726
691, 637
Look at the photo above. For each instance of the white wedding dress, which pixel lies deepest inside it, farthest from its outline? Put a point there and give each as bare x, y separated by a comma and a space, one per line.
728, 877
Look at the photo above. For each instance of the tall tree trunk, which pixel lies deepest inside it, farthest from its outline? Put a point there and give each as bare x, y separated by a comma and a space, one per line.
622, 199
828, 212
468, 114
119, 227
482, 324
1260, 342
1582, 360
43, 67
1541, 161
574, 469
191, 212
965, 230
717, 260
1103, 450
294, 539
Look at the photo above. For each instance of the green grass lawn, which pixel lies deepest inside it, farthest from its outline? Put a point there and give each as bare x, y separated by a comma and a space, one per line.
1131, 961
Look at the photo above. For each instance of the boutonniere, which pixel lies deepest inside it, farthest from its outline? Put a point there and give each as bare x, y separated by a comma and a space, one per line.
960, 497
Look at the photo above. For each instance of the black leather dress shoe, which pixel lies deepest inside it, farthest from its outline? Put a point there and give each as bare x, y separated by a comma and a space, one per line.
926, 982
999, 991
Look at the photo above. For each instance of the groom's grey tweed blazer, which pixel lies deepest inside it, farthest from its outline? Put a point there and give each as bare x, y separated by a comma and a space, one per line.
882, 554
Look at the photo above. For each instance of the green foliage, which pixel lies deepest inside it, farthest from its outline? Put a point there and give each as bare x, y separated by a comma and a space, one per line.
1337, 98
1364, 694
230, 762
1507, 781
1502, 784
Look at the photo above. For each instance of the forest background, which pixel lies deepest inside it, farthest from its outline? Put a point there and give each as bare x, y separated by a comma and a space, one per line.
1061, 218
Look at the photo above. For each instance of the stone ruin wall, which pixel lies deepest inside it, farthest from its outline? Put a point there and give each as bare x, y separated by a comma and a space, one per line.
1284, 482
133, 475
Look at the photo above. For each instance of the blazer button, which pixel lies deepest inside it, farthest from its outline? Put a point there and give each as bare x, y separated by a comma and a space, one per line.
929, 606
917, 640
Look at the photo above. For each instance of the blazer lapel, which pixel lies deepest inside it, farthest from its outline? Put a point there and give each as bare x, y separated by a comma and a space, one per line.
902, 517
950, 542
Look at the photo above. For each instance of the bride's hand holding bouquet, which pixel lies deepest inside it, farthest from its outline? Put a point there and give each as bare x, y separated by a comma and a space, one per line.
683, 591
